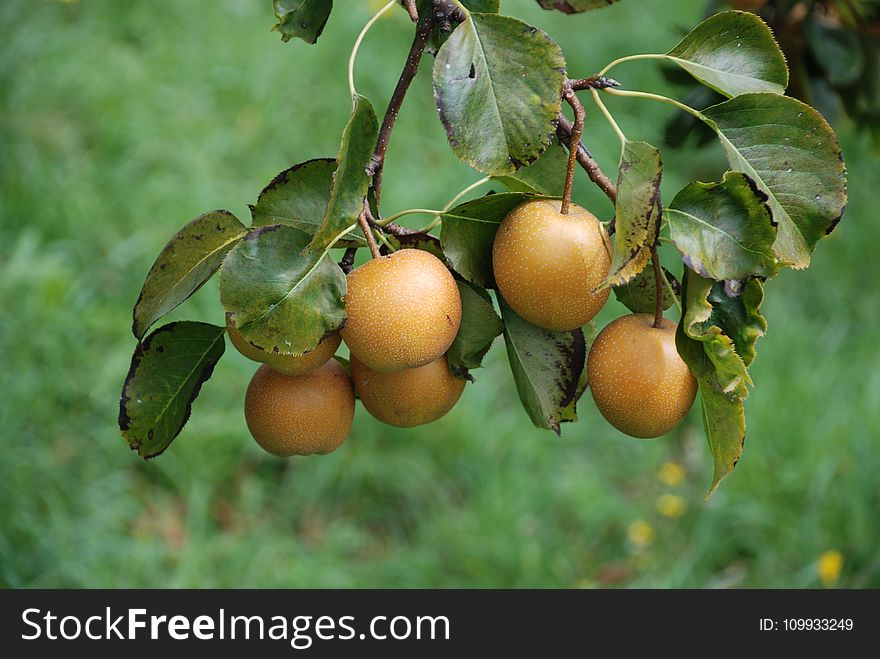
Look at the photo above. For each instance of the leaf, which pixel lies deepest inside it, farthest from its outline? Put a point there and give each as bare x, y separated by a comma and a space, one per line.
636, 210
569, 412
479, 327
724, 419
700, 324
574, 6
423, 241
282, 297
189, 259
639, 295
469, 230
725, 230
167, 371
734, 53
298, 198
723, 413
496, 85
545, 176
351, 181
792, 154
546, 366
301, 18
739, 316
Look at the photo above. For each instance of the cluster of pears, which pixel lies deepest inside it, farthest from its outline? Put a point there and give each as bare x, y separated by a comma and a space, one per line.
403, 312
550, 267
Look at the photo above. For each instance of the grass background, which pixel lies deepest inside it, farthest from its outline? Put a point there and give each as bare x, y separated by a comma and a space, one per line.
123, 120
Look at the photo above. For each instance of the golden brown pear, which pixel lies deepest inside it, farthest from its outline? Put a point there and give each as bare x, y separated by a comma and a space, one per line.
547, 264
637, 378
410, 397
403, 311
300, 415
287, 364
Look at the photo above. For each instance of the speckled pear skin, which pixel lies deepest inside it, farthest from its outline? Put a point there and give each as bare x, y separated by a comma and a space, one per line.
547, 264
300, 415
408, 398
287, 364
639, 382
403, 311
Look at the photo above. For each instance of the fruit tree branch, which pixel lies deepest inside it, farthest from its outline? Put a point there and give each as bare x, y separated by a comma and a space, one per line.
564, 128
420, 41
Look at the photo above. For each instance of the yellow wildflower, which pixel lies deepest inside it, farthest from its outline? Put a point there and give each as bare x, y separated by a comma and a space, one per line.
671, 474
671, 505
640, 533
828, 567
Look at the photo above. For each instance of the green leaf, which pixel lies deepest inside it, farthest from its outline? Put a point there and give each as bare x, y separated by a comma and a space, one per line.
298, 198
636, 211
639, 295
351, 181
546, 367
574, 6
469, 230
496, 84
189, 259
545, 176
167, 371
725, 230
734, 53
701, 325
479, 327
485, 6
739, 316
724, 419
283, 298
837, 50
301, 18
792, 154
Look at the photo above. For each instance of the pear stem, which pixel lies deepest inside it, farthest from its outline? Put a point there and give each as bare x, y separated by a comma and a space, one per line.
368, 234
577, 132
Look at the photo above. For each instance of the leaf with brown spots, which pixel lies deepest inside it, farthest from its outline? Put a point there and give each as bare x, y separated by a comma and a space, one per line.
298, 198
166, 374
546, 366
189, 259
637, 211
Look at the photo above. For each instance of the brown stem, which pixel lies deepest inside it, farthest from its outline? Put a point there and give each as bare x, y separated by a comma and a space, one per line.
658, 288
577, 131
368, 234
593, 82
423, 33
347, 262
564, 128
410, 6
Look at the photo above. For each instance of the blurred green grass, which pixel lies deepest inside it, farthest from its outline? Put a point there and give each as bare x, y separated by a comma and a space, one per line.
122, 121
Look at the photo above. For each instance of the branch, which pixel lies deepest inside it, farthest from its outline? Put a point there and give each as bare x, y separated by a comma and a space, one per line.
347, 262
388, 227
593, 82
410, 6
420, 41
564, 128
576, 132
